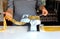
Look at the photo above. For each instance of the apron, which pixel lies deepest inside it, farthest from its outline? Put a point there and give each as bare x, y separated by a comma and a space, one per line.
24, 7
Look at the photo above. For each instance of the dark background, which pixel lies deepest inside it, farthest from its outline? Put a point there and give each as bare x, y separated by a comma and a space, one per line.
51, 5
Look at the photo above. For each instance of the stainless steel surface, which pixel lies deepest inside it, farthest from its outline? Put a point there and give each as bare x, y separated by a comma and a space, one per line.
34, 24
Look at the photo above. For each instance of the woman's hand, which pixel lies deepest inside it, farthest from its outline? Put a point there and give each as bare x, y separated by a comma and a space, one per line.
44, 12
8, 14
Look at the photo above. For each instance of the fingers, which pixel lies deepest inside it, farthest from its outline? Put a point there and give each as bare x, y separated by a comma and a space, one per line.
8, 16
45, 12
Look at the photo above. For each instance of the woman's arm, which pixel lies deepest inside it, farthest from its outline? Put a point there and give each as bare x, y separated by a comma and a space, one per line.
9, 11
41, 4
10, 7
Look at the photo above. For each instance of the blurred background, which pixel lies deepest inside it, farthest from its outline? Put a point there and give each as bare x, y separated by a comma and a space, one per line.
53, 18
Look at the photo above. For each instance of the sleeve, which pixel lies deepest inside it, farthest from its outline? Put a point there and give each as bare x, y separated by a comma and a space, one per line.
41, 2
10, 4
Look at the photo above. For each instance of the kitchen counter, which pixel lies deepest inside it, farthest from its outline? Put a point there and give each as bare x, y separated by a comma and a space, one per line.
19, 32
